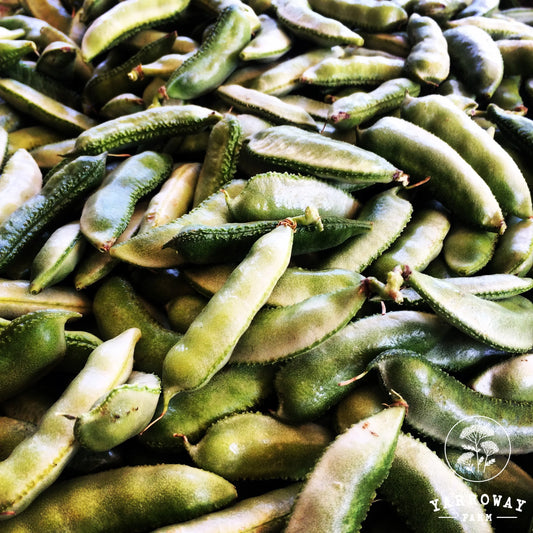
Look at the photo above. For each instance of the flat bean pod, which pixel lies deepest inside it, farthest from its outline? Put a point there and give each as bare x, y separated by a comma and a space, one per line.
236, 446
476, 147
304, 22
107, 211
297, 328
185, 492
153, 123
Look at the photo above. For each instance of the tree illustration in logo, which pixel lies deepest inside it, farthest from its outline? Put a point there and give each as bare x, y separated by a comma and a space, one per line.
480, 448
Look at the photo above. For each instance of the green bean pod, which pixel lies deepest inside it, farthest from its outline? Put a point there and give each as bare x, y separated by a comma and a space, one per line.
302, 21
216, 59
288, 148
308, 386
266, 512
221, 155
117, 307
353, 70
123, 20
493, 322
516, 55
476, 147
497, 27
65, 184
236, 447
361, 106
184, 492
231, 241
366, 15
338, 492
510, 379
30, 346
518, 128
21, 179
428, 60
267, 106
234, 389
476, 58
389, 213
297, 328
147, 248
45, 109
281, 79
420, 242
277, 195
468, 250
57, 258
120, 414
452, 180
155, 123
103, 86
12, 50
196, 357
270, 43
437, 402
12, 432
513, 253
448, 504
38, 460
296, 283
107, 211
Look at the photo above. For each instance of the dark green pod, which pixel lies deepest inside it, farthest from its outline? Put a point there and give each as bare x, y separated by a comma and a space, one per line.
216, 59
65, 184
518, 128
117, 307
30, 345
234, 389
231, 241
438, 402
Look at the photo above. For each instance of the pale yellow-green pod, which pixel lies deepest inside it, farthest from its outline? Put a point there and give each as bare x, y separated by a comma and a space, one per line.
174, 199
58, 257
21, 179
38, 460
120, 414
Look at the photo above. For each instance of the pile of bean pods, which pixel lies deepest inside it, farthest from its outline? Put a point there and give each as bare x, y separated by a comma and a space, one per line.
266, 265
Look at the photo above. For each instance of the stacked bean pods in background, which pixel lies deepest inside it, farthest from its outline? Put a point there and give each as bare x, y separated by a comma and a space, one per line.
266, 265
